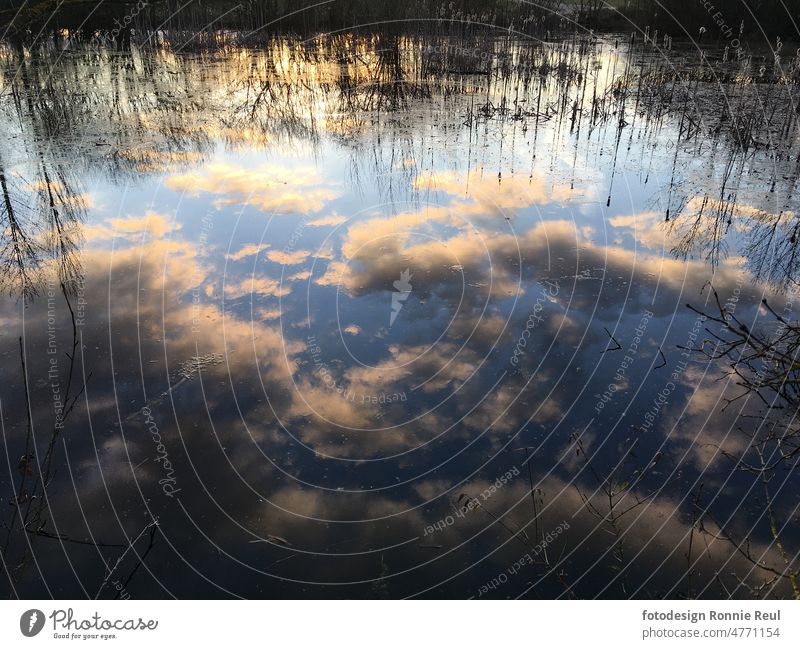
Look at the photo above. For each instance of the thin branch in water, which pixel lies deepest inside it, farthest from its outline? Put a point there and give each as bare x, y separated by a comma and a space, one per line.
663, 360
611, 349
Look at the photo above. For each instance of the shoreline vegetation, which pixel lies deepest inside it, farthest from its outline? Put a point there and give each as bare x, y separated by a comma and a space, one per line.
705, 23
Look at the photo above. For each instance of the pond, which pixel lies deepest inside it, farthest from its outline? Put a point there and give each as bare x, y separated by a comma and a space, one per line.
389, 316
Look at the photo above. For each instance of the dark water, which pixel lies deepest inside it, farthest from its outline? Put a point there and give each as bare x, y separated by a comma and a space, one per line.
378, 318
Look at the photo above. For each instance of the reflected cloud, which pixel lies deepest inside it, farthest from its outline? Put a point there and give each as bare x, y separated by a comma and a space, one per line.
288, 258
332, 219
247, 251
255, 286
270, 188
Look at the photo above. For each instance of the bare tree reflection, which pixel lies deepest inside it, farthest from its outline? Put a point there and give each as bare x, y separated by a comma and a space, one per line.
764, 367
19, 254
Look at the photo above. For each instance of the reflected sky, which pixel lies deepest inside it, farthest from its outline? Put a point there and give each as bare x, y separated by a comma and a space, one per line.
326, 293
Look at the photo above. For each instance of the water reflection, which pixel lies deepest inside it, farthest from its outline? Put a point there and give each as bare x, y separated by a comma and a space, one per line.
368, 317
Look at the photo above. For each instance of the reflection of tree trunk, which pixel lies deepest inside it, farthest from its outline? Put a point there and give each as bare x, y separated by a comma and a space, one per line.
124, 38
6, 196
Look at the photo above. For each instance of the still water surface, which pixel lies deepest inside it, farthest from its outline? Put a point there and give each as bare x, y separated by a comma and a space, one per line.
376, 318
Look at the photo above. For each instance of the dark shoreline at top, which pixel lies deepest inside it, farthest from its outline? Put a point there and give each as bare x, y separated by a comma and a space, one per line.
124, 20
